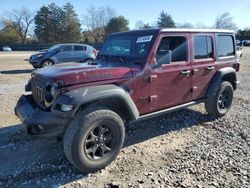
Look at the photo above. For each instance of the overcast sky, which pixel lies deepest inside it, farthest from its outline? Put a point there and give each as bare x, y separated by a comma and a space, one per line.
192, 11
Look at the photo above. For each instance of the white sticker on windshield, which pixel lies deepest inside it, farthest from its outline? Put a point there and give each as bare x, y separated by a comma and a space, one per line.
144, 39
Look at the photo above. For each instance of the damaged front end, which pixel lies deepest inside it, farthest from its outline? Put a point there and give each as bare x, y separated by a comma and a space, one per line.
39, 111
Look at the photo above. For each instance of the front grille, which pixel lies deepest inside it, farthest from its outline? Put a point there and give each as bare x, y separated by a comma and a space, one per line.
38, 93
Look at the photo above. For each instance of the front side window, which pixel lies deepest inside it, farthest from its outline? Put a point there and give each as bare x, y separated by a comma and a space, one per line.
53, 48
66, 48
203, 47
225, 46
176, 46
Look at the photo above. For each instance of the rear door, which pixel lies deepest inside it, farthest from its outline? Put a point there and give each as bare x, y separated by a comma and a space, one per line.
79, 53
170, 83
203, 63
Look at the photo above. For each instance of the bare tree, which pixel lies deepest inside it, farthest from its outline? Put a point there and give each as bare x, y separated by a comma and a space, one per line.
96, 20
185, 25
225, 21
201, 25
1, 25
20, 20
98, 17
139, 24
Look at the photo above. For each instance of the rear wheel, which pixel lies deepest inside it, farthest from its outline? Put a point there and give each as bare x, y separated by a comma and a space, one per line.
89, 61
220, 104
94, 139
47, 63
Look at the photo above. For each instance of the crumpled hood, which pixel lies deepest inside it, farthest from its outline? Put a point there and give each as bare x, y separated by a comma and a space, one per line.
76, 73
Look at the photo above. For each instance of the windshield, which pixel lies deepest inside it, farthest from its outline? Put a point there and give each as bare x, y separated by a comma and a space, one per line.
53, 47
134, 47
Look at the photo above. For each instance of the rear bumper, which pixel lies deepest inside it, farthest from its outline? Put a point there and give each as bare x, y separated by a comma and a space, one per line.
39, 122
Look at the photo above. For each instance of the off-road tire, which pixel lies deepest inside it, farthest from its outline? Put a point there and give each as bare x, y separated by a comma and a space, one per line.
212, 104
79, 130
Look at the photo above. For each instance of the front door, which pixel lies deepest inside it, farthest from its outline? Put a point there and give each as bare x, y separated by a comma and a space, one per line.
65, 54
170, 81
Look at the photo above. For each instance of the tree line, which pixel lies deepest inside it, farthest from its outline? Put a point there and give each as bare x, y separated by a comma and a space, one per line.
52, 24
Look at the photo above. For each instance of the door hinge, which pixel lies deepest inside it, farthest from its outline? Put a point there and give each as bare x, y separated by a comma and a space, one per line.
153, 98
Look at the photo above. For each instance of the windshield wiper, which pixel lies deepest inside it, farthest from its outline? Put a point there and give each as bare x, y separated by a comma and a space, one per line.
105, 57
122, 59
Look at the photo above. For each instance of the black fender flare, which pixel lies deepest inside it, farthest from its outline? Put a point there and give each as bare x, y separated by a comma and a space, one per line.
81, 96
220, 75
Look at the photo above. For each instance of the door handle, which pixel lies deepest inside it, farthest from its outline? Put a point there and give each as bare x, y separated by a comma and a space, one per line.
186, 72
210, 68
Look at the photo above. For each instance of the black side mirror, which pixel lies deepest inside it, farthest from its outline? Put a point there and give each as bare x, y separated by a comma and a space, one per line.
166, 58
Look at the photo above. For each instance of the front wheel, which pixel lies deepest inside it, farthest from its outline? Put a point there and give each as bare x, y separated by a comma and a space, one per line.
220, 104
47, 63
94, 139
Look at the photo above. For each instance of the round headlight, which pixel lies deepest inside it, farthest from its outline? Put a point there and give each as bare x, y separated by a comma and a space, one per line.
49, 87
53, 91
50, 94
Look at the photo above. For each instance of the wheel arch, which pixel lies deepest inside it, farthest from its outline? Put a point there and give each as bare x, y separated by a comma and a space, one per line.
88, 58
53, 61
110, 96
224, 74
115, 104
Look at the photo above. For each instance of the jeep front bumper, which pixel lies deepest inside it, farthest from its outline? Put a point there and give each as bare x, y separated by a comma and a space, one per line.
38, 121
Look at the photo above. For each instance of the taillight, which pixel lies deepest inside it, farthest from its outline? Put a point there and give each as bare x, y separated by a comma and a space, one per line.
94, 51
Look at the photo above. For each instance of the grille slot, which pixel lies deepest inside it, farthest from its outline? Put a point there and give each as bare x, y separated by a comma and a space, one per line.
38, 93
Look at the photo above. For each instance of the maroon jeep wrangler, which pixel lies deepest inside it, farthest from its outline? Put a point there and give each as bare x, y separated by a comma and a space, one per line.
137, 75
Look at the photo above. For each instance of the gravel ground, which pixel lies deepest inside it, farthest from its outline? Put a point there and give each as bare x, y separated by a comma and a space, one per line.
187, 148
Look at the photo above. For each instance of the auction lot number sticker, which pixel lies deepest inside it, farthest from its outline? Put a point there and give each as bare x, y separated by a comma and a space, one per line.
144, 39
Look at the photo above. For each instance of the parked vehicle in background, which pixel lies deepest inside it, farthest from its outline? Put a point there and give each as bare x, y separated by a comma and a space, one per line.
6, 49
63, 53
239, 53
238, 42
136, 75
246, 42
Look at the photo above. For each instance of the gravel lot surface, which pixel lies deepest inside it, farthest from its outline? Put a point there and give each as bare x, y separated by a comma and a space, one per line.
187, 148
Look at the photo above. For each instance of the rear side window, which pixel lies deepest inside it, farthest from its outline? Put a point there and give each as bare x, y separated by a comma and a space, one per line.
177, 45
80, 48
225, 46
203, 47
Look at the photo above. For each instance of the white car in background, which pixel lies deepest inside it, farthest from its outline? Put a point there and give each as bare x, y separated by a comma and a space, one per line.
246, 42
238, 42
6, 49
